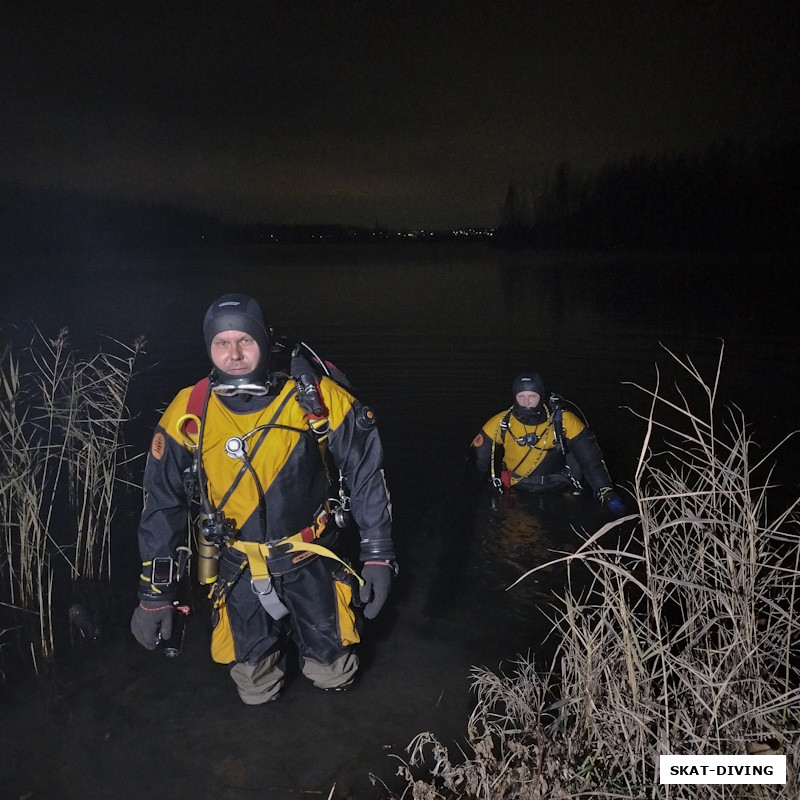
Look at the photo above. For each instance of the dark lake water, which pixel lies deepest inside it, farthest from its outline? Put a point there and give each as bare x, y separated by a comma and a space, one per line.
430, 336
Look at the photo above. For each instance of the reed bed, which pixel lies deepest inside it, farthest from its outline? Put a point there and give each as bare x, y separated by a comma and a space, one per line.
684, 641
61, 452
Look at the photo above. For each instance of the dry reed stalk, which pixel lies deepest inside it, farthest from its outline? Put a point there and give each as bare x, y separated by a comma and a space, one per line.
25, 537
101, 385
686, 640
59, 440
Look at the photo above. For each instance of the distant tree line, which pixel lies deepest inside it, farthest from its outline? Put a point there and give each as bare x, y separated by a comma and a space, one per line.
48, 219
45, 218
727, 196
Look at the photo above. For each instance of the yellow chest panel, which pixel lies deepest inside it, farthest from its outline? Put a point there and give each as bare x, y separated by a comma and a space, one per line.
267, 440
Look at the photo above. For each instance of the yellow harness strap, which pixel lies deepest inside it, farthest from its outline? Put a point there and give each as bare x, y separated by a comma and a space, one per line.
257, 554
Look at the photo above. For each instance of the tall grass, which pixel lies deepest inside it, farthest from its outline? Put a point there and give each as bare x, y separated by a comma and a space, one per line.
685, 642
60, 453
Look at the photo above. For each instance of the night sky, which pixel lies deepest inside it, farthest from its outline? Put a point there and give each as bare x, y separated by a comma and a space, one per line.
408, 114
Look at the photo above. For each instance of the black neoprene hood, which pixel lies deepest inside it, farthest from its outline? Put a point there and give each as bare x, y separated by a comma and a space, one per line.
235, 312
528, 382
239, 312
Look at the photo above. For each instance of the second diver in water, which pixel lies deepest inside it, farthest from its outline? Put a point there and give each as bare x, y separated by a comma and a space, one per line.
538, 445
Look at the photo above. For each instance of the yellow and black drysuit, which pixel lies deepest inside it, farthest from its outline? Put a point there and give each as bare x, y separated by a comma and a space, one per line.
556, 453
282, 504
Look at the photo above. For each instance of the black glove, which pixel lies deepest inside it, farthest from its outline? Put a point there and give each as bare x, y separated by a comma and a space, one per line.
611, 500
377, 577
152, 622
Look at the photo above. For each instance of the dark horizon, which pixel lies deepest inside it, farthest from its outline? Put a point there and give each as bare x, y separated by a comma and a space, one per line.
722, 197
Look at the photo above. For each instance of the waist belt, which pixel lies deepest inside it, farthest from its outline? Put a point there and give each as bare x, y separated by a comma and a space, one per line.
543, 480
257, 553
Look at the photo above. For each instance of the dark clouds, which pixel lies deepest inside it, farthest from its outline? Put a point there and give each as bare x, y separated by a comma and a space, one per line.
411, 113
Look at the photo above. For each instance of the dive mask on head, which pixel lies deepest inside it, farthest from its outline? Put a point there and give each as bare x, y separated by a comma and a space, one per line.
238, 312
225, 385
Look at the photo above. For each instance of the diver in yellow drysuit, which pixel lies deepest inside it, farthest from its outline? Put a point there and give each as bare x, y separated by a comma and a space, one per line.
539, 446
249, 445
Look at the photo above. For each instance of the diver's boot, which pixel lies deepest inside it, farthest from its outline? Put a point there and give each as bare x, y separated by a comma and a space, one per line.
259, 683
335, 677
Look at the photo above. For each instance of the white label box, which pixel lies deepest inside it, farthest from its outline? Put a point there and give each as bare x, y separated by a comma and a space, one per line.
722, 769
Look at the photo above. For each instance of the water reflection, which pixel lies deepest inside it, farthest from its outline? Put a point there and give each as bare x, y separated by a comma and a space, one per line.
524, 531
483, 545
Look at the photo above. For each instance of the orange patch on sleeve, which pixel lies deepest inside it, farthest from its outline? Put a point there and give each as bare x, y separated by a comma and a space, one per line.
158, 446
478, 440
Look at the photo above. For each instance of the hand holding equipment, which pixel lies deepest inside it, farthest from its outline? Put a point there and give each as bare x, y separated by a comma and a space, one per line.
377, 577
612, 501
151, 622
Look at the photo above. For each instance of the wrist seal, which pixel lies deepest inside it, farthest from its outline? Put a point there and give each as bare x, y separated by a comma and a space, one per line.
377, 550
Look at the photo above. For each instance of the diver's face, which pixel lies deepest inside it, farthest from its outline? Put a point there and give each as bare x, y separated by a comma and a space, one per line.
528, 399
235, 352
